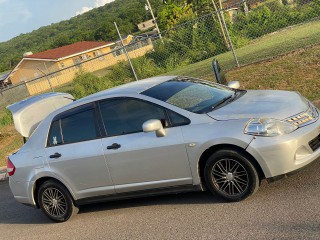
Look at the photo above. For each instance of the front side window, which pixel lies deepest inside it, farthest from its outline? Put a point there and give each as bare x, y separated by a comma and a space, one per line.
76, 126
124, 116
79, 127
177, 119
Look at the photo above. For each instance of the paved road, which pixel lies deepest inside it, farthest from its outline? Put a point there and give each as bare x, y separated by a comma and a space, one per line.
287, 209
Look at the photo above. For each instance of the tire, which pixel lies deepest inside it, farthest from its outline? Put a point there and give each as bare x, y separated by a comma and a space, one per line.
56, 202
229, 174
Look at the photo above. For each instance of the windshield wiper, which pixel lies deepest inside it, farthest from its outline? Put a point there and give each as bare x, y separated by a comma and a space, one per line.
222, 101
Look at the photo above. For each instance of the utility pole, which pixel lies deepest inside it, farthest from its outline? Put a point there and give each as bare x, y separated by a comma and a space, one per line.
127, 54
221, 25
148, 7
230, 42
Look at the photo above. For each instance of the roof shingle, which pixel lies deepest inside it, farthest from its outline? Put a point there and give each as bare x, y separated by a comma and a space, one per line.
68, 50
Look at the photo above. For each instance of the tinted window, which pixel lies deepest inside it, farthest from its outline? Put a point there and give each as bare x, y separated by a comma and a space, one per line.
123, 116
79, 127
55, 134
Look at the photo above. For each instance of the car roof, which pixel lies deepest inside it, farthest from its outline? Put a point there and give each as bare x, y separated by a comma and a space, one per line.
128, 88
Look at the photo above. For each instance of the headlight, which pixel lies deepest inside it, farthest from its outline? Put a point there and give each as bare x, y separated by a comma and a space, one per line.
268, 127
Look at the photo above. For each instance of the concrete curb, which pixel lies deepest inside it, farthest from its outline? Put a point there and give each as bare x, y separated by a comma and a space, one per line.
3, 174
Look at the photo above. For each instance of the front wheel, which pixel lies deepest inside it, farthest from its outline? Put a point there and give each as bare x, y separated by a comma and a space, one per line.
230, 174
56, 202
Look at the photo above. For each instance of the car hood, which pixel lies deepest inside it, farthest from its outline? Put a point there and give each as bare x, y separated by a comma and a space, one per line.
262, 103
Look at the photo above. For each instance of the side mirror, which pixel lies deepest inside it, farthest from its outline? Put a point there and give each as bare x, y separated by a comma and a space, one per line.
154, 125
218, 73
234, 84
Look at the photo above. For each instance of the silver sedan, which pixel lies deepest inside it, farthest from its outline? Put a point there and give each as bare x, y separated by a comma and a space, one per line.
154, 136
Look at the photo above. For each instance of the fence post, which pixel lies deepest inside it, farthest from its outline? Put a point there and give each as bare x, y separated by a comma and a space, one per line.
221, 26
52, 90
228, 36
127, 54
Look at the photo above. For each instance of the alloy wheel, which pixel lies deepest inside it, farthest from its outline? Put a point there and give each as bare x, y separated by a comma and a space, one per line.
230, 177
54, 202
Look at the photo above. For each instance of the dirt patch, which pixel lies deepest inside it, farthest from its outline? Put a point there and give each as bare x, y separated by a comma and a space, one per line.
10, 141
317, 103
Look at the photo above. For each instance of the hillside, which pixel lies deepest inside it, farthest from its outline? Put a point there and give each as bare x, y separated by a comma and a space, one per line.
96, 24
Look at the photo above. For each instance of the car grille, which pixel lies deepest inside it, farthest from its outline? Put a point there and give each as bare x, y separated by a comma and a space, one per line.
315, 143
305, 118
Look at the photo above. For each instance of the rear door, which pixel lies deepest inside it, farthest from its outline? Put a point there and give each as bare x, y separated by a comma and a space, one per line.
74, 152
138, 160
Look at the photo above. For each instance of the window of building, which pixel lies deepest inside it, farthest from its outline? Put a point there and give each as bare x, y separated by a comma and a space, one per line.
96, 53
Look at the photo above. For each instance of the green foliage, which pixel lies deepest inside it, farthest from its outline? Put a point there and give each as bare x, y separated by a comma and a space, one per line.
272, 16
86, 83
146, 67
5, 117
119, 74
174, 14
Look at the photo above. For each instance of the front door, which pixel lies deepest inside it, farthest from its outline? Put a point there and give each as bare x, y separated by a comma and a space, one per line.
138, 160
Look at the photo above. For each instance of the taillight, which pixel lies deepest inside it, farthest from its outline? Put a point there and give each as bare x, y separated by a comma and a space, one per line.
10, 167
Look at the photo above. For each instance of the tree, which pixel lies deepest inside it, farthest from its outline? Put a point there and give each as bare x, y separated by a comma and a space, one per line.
174, 14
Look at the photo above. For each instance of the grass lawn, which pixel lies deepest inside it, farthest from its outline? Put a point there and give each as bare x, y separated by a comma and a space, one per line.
297, 71
268, 46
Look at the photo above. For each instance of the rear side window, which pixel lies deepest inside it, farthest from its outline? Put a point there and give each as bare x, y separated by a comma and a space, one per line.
76, 125
55, 134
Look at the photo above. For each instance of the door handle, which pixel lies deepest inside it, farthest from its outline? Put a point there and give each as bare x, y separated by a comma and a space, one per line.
56, 155
114, 146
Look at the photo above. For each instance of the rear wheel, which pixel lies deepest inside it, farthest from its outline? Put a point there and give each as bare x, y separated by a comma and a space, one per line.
56, 202
230, 174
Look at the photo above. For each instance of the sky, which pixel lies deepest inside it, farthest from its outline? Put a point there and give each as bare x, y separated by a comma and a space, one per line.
23, 16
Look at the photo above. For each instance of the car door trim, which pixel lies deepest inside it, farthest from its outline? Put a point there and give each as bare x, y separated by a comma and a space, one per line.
139, 194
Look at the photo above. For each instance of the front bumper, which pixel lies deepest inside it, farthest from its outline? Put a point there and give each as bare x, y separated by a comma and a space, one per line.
280, 156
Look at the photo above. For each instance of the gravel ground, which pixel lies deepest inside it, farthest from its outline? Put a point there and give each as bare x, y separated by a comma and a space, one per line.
287, 209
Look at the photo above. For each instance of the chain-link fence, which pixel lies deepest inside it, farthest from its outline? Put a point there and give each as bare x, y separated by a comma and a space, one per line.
231, 27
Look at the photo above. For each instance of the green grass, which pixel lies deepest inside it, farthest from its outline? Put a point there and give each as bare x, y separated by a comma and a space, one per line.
268, 46
297, 71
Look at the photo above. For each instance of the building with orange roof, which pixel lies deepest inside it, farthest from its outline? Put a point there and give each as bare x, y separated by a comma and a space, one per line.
55, 67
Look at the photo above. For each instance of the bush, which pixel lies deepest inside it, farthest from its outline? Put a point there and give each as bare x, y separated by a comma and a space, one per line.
85, 84
272, 16
5, 118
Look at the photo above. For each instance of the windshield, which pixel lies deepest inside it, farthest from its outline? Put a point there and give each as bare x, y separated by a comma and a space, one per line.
194, 95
